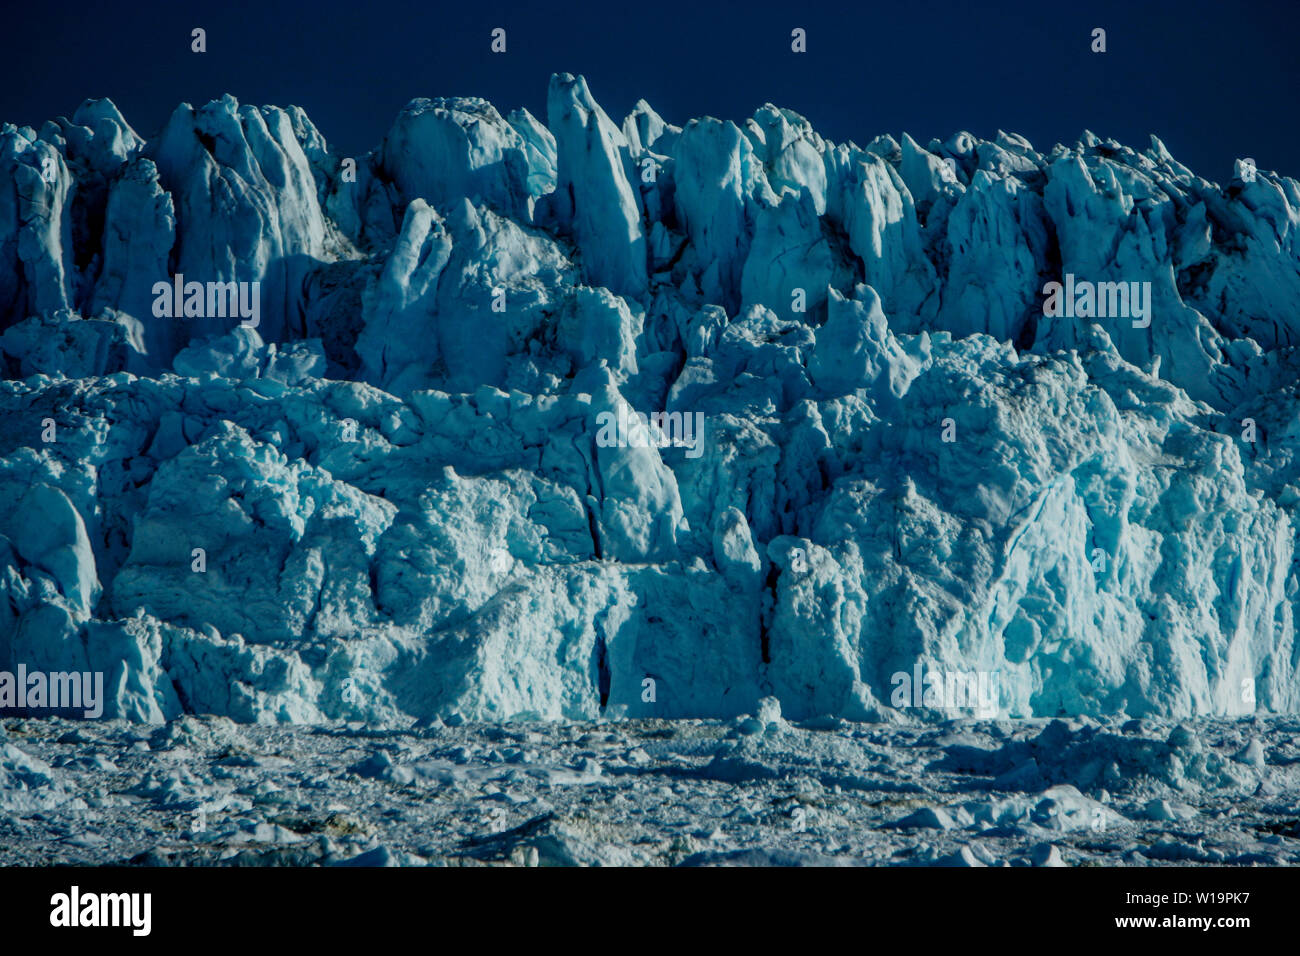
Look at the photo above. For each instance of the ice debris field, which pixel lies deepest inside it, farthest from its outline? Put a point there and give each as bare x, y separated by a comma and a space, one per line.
751, 791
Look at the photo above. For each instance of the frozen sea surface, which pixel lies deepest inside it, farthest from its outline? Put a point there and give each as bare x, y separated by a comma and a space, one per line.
742, 792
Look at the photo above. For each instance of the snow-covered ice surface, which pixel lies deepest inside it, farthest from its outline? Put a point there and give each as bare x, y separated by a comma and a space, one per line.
200, 791
393, 495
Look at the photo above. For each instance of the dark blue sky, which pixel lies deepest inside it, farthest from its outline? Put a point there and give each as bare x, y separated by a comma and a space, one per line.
1215, 80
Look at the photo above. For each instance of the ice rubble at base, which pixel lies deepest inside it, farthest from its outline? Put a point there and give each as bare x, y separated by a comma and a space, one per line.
202, 790
403, 509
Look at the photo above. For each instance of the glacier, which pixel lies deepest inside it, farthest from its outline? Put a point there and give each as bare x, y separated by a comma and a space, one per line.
387, 501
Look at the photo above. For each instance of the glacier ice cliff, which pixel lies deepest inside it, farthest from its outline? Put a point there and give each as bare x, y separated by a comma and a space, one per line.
387, 499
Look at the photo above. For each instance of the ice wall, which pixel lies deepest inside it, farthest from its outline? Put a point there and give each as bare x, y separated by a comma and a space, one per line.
398, 494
